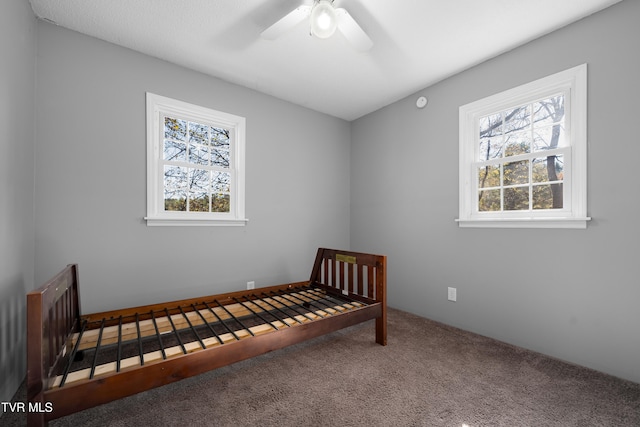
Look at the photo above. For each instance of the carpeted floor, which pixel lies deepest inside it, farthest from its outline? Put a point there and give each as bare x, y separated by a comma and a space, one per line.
430, 374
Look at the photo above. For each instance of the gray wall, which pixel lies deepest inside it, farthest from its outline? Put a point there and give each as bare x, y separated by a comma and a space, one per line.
91, 180
572, 294
17, 116
90, 193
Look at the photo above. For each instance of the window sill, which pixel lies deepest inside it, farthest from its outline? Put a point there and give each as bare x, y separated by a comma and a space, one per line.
549, 222
198, 222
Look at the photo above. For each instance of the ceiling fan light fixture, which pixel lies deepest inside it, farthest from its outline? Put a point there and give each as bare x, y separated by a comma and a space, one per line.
323, 19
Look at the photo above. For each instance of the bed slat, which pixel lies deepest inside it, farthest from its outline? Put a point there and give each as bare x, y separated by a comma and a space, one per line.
302, 313
233, 317
266, 301
140, 351
73, 354
222, 322
119, 354
195, 333
155, 325
204, 321
175, 332
95, 356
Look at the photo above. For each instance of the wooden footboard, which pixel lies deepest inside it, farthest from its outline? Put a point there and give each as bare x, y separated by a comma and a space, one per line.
345, 288
53, 315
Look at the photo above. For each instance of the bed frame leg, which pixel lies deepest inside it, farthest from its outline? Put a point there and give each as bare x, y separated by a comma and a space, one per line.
381, 330
381, 296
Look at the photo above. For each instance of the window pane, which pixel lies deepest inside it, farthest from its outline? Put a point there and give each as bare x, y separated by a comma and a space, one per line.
491, 148
175, 151
517, 143
516, 198
220, 203
221, 182
199, 180
489, 176
175, 188
516, 173
548, 111
547, 196
199, 154
491, 125
198, 133
220, 137
548, 169
517, 119
199, 202
489, 200
220, 158
175, 129
176, 203
549, 137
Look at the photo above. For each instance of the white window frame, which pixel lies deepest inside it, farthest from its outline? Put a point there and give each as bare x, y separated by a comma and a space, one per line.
573, 84
159, 106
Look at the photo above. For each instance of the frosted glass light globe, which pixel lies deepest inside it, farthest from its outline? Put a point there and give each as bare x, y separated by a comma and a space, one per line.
323, 19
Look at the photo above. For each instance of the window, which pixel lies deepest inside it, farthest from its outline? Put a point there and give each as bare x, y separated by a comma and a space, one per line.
195, 164
523, 155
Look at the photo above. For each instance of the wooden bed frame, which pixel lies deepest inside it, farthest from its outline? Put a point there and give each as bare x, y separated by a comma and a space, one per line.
345, 288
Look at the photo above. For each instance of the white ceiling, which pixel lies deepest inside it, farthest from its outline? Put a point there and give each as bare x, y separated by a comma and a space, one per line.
416, 42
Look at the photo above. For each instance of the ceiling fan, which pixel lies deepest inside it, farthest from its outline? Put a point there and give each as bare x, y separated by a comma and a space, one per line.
324, 19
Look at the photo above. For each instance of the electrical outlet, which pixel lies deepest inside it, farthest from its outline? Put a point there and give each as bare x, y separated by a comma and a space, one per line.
452, 294
251, 285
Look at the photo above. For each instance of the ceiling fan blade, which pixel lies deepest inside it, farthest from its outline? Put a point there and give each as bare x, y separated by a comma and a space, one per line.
286, 23
352, 31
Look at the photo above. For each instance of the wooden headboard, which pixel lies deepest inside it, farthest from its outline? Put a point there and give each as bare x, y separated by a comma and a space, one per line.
360, 275
53, 315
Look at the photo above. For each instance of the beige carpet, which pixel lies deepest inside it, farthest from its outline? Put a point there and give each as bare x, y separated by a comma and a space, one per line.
429, 375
